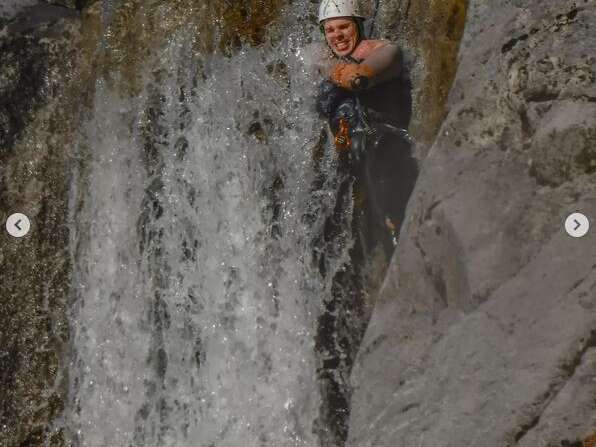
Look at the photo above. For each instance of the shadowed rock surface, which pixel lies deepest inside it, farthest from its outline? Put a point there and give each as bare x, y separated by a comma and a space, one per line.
10, 8
484, 330
44, 65
429, 32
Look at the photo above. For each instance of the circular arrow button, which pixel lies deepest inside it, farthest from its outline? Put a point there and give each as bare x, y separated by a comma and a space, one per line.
577, 225
18, 225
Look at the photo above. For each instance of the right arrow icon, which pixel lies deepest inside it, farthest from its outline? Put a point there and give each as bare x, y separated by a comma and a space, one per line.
577, 225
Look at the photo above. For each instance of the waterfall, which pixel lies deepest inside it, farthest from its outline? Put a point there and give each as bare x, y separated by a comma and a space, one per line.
193, 219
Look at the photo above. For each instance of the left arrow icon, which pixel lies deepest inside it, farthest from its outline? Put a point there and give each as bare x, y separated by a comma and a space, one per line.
18, 225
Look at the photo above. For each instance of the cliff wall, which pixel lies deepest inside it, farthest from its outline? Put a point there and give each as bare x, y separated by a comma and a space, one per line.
484, 329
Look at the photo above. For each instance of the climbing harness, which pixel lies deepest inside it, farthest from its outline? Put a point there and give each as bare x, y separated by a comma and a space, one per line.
342, 136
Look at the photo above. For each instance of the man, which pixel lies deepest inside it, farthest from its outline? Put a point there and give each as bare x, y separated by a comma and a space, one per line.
363, 63
366, 100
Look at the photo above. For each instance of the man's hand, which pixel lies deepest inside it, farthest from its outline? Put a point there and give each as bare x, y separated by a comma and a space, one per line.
344, 75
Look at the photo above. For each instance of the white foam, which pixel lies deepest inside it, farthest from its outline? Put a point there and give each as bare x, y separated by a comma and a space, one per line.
191, 324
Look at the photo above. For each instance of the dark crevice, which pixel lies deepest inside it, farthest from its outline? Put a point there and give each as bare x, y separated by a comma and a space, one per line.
542, 96
525, 428
436, 277
513, 42
526, 127
560, 20
429, 211
568, 368
409, 407
407, 12
570, 15
571, 366
575, 285
576, 443
586, 98
80, 4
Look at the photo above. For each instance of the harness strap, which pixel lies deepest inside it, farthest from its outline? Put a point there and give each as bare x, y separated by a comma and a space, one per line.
349, 58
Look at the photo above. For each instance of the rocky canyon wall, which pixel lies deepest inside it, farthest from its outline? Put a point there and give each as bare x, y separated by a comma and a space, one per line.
45, 73
484, 332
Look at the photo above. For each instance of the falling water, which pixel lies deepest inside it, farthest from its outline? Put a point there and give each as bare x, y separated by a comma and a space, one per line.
193, 219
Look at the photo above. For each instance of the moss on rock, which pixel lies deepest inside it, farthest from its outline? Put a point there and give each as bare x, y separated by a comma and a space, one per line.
430, 32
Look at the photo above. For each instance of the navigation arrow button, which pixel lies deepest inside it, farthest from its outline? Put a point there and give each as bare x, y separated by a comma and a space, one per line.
18, 225
577, 225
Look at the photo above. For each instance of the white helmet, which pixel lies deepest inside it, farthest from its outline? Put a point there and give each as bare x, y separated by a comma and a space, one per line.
339, 8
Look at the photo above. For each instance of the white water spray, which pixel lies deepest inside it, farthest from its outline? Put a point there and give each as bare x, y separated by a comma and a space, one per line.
195, 300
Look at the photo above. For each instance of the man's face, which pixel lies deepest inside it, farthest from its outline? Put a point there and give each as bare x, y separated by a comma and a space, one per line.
341, 34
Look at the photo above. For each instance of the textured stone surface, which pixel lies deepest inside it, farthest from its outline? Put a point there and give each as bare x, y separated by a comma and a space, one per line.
34, 45
484, 330
10, 8
429, 32
572, 411
42, 87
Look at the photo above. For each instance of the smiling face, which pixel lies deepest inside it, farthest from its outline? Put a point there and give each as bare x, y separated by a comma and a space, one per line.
342, 35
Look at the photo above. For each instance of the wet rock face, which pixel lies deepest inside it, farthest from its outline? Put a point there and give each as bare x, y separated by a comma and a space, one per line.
39, 77
74, 4
9, 9
25, 63
429, 33
33, 45
484, 331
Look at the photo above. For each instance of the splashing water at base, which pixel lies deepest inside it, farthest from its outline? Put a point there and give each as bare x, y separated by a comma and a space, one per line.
195, 300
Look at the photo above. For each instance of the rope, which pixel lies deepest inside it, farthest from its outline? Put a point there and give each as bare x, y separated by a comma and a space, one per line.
374, 18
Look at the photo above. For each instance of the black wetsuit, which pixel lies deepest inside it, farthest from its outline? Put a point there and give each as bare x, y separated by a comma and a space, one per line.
380, 161
380, 172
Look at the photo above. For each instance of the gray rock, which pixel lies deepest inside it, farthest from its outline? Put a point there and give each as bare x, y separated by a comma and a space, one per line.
43, 87
65, 3
10, 8
33, 17
73, 4
572, 411
30, 45
429, 34
484, 329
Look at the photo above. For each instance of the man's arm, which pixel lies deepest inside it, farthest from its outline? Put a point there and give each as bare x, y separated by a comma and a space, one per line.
385, 63
380, 62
